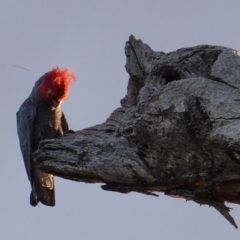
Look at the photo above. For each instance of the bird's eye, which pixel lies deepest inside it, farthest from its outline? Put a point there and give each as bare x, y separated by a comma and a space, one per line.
49, 94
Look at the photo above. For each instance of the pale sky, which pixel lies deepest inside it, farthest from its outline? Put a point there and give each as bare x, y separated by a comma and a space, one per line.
89, 37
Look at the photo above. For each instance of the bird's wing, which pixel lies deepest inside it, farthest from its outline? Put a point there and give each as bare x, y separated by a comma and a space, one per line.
25, 118
64, 122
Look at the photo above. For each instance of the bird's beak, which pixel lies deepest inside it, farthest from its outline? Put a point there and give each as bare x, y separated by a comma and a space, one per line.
56, 103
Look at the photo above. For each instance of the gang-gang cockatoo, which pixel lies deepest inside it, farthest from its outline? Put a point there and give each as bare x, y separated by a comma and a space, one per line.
40, 117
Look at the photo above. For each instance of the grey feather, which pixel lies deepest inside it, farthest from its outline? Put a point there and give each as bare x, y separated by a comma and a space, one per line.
25, 119
37, 121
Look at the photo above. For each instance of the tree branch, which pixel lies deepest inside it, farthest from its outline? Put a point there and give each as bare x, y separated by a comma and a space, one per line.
177, 130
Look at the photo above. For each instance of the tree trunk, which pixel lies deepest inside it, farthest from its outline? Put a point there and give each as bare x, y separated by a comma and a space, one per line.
177, 131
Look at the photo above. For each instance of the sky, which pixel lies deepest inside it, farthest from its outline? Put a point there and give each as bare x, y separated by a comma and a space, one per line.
88, 36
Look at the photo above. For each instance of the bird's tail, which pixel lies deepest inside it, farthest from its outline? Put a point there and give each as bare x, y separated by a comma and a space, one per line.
42, 189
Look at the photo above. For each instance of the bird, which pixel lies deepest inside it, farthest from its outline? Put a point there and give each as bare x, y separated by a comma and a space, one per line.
40, 117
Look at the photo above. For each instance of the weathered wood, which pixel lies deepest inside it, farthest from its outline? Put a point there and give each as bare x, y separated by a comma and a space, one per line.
177, 131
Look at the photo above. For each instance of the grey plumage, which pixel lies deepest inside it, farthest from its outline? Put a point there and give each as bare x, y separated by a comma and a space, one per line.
38, 120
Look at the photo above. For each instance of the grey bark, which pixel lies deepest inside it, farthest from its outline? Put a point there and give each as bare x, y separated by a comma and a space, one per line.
177, 131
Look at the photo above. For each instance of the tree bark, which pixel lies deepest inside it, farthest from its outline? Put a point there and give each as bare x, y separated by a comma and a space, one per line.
177, 131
